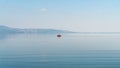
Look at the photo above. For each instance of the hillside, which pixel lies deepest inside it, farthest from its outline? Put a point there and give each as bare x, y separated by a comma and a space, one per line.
9, 30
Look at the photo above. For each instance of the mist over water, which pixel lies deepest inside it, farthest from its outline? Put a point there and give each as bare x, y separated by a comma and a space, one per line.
69, 51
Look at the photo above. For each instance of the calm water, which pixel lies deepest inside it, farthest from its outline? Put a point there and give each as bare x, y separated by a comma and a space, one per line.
70, 51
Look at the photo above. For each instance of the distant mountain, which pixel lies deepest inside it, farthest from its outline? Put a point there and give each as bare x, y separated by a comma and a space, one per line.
9, 30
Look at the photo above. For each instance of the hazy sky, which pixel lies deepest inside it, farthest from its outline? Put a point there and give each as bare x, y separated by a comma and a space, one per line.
74, 15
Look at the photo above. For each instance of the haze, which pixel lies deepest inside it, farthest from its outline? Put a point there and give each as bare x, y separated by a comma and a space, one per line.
73, 15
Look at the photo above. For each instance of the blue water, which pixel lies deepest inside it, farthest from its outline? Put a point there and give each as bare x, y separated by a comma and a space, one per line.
70, 51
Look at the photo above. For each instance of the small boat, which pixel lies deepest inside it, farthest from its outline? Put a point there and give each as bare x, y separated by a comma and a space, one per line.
59, 35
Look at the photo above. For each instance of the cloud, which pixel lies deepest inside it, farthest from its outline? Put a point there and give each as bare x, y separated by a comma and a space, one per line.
43, 9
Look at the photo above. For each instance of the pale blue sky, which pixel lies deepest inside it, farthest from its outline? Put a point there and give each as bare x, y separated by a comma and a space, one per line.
74, 15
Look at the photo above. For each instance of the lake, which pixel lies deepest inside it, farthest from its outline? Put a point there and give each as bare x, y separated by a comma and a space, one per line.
69, 51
